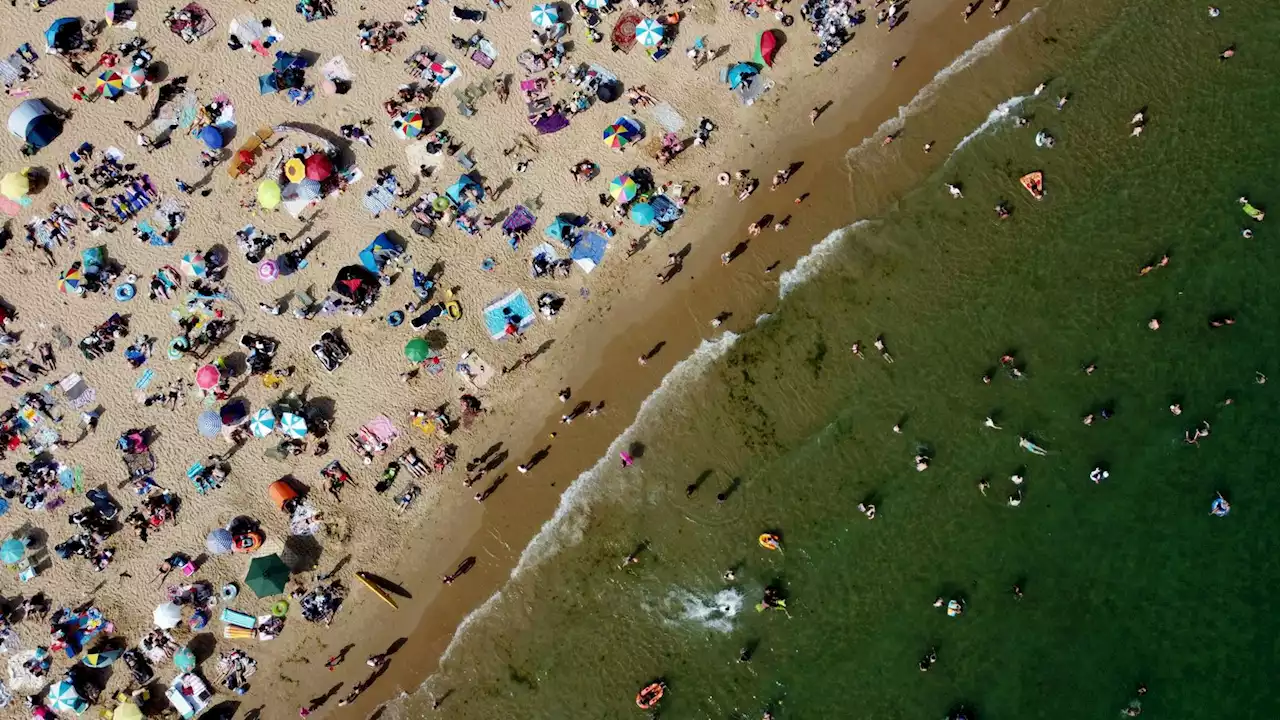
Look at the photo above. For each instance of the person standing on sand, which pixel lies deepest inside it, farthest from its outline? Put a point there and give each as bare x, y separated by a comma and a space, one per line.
813, 115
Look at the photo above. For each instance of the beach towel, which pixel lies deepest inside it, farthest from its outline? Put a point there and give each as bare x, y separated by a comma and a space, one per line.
589, 251
475, 371
380, 198
254, 35
511, 308
226, 119
624, 30
337, 69
200, 24
144, 381
667, 117
752, 89
520, 219
551, 124
664, 209
153, 238
603, 74
546, 252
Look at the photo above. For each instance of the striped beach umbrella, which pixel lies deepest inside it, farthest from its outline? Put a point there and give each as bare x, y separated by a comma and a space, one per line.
209, 423
63, 696
111, 84
544, 16
194, 265
262, 423
649, 32
71, 282
101, 659
408, 125
292, 425
623, 188
596, 4
135, 79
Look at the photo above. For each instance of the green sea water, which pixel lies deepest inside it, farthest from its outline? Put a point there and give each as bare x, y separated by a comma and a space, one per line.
1125, 582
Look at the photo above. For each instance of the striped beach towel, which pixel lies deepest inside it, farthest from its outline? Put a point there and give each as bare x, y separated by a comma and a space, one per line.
144, 381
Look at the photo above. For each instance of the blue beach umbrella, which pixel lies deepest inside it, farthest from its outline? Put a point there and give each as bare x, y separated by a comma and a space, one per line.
649, 32
642, 214
544, 16
101, 659
12, 551
209, 423
262, 423
63, 34
293, 425
63, 696
211, 137
185, 660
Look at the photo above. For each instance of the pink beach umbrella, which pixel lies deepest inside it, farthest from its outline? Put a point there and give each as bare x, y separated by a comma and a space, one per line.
268, 271
207, 377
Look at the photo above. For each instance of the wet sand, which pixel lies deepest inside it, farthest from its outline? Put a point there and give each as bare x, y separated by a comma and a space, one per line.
677, 315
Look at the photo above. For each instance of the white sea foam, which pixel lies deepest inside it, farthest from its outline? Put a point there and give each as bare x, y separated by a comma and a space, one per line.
716, 612
1002, 114
567, 525
811, 263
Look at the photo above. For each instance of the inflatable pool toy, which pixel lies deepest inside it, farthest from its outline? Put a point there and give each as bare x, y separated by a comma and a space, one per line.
769, 541
247, 542
395, 318
1251, 211
124, 292
487, 264
454, 309
1034, 183
280, 609
723, 178
650, 694
1044, 139
373, 587
177, 346
229, 592
1220, 507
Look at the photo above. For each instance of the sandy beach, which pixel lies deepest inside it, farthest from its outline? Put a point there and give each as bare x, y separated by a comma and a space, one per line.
609, 318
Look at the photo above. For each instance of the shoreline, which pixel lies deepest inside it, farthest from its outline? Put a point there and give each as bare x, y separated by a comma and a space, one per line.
500, 536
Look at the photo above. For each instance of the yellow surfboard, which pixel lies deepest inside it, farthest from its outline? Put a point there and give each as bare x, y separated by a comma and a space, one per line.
373, 587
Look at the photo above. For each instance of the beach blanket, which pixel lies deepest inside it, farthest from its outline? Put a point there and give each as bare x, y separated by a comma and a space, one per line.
475, 371
254, 35
11, 69
154, 238
589, 251
380, 198
511, 308
226, 119
551, 124
664, 209
201, 23
624, 31
337, 69
667, 117
752, 89
603, 74
520, 219
546, 252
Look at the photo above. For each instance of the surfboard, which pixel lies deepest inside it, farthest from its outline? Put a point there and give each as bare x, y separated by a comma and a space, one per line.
363, 577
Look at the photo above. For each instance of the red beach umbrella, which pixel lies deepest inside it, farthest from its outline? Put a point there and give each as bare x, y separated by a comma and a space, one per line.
319, 167
768, 46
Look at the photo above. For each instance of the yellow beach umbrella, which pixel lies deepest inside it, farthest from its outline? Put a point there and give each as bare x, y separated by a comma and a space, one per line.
127, 711
295, 170
269, 194
15, 185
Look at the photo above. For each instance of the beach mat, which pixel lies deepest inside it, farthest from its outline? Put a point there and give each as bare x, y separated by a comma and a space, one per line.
624, 31
514, 306
589, 251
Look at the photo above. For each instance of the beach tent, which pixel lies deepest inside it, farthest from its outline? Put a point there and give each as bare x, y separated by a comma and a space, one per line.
377, 253
355, 283
767, 45
64, 34
512, 309
35, 123
267, 576
560, 230
465, 182
589, 251
211, 137
739, 73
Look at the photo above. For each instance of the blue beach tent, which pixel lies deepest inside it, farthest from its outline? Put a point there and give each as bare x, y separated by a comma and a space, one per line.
34, 123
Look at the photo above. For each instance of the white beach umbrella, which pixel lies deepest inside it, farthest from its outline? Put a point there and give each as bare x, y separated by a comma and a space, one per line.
544, 16
167, 616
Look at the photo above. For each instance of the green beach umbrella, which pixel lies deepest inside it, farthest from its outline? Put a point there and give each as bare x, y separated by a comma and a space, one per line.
417, 350
267, 576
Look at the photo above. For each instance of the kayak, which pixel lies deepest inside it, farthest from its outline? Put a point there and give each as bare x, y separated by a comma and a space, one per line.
1034, 183
649, 695
769, 541
373, 587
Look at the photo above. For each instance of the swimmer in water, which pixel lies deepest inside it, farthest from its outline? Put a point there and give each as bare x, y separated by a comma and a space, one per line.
1259, 378
730, 575
928, 146
1246, 233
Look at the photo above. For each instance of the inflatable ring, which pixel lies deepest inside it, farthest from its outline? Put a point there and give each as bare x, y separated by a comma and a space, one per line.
488, 264
280, 609
769, 541
229, 592
131, 278
175, 344
723, 178
124, 292
395, 318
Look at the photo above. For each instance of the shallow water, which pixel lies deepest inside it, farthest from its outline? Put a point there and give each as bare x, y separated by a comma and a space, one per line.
1127, 581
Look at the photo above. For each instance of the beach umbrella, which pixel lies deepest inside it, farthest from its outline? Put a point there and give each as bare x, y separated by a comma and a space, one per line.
195, 265
127, 711
292, 425
621, 133
441, 203
767, 44
740, 72
409, 124
596, 4
234, 412
15, 185
268, 271
12, 551
649, 32
101, 659
262, 423
295, 170
71, 280
63, 34
212, 137
64, 696
642, 214
209, 423
111, 84
135, 79
269, 194
544, 16
219, 541
208, 376
417, 350
167, 615
319, 167
185, 660
267, 576
623, 188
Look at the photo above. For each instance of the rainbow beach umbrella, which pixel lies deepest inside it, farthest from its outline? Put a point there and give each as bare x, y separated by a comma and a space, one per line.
71, 281
623, 188
621, 133
111, 84
408, 125
649, 32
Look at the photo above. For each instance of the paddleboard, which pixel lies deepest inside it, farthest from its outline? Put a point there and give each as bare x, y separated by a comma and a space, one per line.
362, 577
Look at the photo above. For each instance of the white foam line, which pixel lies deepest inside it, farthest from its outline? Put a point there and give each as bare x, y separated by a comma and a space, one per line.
812, 262
1002, 113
